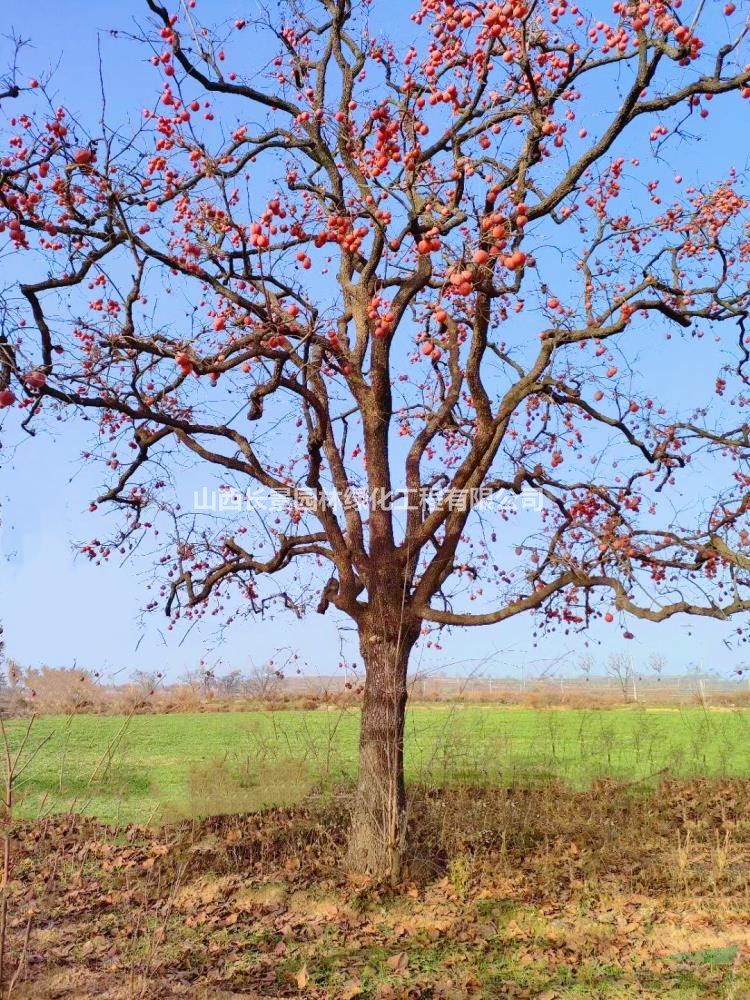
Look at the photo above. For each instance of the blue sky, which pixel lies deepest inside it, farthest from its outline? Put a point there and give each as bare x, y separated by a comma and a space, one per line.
57, 608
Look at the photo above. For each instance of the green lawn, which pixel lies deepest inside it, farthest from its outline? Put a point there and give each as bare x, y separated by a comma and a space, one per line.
170, 766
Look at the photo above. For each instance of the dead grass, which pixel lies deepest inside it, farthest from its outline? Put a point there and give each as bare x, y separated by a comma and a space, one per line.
61, 690
542, 892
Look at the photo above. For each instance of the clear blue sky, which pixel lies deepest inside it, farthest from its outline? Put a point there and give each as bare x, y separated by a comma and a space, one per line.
58, 609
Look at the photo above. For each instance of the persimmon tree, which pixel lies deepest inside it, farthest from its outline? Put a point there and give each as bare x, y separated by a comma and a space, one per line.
430, 257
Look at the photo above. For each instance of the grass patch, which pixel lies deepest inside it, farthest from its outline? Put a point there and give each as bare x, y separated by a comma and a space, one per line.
166, 766
707, 956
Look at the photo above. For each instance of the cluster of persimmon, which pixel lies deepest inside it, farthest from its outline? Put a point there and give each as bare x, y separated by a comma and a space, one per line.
712, 212
429, 243
499, 17
381, 316
387, 145
340, 229
502, 21
431, 350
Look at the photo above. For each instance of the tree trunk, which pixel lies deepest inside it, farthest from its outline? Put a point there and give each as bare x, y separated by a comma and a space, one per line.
378, 823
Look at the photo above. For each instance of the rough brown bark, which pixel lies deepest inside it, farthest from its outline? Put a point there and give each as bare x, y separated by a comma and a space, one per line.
378, 822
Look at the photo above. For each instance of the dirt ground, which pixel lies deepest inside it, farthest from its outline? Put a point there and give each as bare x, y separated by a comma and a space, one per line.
537, 893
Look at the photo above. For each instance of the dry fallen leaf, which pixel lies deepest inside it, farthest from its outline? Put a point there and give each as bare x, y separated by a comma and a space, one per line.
351, 989
302, 978
398, 963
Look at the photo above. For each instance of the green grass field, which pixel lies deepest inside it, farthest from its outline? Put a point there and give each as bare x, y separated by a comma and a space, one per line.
164, 767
